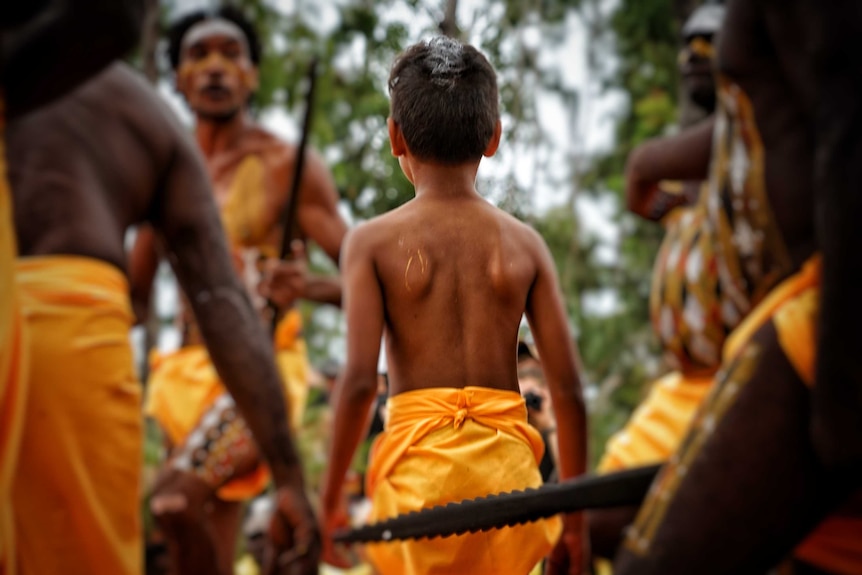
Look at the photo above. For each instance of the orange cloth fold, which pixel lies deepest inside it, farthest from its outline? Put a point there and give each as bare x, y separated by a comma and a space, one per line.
77, 487
793, 307
657, 426
184, 385
447, 444
13, 364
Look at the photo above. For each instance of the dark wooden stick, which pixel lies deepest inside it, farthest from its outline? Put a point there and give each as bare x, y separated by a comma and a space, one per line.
288, 217
623, 488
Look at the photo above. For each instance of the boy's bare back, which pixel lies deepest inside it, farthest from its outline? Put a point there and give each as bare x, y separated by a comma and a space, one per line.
447, 278
455, 276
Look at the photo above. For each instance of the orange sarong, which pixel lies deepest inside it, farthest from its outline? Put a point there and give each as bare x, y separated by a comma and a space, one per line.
447, 444
657, 426
184, 385
13, 363
793, 307
77, 486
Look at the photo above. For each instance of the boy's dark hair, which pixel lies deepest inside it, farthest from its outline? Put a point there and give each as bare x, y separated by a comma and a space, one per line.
444, 99
179, 28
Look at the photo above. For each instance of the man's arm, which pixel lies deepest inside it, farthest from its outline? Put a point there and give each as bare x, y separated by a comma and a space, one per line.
318, 215
319, 220
196, 248
818, 45
63, 45
357, 388
683, 156
546, 314
186, 216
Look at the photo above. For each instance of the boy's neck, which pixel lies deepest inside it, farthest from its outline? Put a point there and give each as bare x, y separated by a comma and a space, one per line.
435, 180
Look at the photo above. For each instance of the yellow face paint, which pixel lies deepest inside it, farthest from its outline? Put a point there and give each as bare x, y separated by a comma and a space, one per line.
697, 46
217, 59
214, 58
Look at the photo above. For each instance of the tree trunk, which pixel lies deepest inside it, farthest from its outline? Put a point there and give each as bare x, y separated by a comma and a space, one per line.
449, 24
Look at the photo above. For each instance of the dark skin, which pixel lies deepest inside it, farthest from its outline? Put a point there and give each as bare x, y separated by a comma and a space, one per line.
217, 77
111, 156
795, 452
450, 319
48, 47
684, 156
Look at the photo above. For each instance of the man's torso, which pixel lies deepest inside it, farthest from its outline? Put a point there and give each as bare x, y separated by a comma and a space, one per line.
87, 167
251, 185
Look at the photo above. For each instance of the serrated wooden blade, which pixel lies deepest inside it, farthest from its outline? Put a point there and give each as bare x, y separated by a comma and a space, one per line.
627, 487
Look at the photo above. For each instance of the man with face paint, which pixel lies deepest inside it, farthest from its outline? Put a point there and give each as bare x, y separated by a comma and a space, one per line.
660, 421
48, 48
773, 456
215, 56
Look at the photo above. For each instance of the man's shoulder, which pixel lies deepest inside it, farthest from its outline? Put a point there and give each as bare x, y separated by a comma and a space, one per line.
258, 139
124, 86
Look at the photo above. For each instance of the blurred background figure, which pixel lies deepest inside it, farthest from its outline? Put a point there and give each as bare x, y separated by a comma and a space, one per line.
540, 411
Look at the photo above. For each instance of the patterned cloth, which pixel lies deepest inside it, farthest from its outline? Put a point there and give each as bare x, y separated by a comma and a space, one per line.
685, 305
751, 255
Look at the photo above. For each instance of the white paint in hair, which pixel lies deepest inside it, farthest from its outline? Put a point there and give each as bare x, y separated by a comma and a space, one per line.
446, 58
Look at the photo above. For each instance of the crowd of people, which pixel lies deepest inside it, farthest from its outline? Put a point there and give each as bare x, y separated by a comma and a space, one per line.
753, 300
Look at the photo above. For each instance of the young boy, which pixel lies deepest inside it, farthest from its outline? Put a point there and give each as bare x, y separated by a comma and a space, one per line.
449, 277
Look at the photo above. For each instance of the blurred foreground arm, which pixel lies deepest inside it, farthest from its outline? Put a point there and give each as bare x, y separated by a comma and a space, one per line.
237, 342
62, 45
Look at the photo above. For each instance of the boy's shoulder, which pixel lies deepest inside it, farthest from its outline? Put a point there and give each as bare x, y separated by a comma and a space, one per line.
371, 232
519, 230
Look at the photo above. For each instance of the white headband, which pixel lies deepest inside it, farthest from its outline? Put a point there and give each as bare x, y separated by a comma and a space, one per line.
213, 27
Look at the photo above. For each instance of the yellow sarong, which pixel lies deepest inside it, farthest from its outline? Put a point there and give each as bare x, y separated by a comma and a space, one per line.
184, 385
447, 444
77, 487
13, 364
793, 307
657, 426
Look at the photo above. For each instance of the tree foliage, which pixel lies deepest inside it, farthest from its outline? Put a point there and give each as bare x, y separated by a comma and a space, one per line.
632, 48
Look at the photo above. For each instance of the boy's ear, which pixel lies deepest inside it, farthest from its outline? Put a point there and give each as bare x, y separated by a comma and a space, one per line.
396, 138
494, 143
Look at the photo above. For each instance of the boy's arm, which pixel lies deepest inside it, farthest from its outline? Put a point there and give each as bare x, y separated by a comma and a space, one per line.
356, 390
547, 317
546, 314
